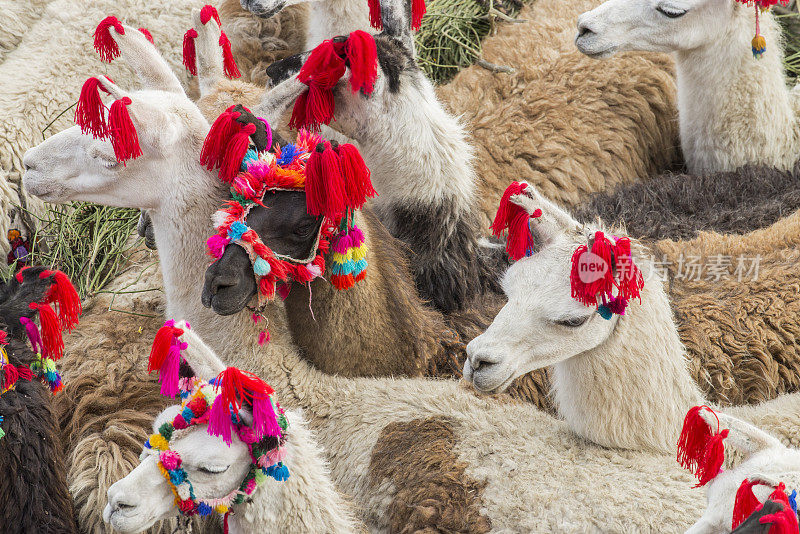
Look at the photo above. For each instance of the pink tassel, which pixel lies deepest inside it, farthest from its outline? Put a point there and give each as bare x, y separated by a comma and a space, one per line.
263, 338
216, 245
147, 35
123, 133
33, 335
104, 44
264, 420
168, 373
189, 51
90, 112
228, 63
219, 422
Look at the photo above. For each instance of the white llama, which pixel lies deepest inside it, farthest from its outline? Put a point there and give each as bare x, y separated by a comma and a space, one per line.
733, 109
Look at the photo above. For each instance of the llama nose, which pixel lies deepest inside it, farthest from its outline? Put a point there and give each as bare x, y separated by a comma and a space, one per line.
583, 29
28, 161
481, 360
121, 501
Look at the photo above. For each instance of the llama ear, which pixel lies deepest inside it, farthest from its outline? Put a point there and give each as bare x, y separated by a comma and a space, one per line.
145, 60
209, 57
203, 361
554, 220
395, 21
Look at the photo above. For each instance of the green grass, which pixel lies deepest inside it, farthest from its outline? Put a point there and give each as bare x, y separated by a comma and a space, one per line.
789, 19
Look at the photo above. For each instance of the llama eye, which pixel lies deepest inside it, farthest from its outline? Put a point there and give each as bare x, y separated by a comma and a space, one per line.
108, 164
572, 322
212, 470
671, 12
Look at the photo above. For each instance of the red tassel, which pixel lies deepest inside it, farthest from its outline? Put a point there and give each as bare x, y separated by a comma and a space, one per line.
123, 133
25, 373
694, 437
356, 176
362, 54
207, 12
713, 457
104, 44
189, 52
298, 119
90, 112
238, 386
229, 64
503, 214
343, 282
218, 136
10, 375
785, 521
235, 151
161, 345
587, 292
321, 72
630, 277
147, 35
375, 14
516, 219
63, 293
325, 190
417, 12
745, 503
51, 331
3, 337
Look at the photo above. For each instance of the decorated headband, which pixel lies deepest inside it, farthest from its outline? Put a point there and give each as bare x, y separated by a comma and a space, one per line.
324, 68
46, 341
759, 44
515, 218
701, 451
336, 183
217, 403
190, 54
417, 12
90, 114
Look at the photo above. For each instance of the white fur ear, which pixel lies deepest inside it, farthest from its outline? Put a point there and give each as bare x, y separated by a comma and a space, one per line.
203, 361
210, 61
146, 61
554, 221
113, 89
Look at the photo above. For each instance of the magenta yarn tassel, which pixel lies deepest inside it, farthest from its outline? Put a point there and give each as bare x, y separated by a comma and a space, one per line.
356, 236
264, 421
219, 422
216, 245
343, 244
33, 334
618, 305
169, 370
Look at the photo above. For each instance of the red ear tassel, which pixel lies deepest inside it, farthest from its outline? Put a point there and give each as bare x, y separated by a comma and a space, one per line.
417, 12
713, 457
745, 503
90, 112
298, 119
375, 14
321, 71
516, 219
25, 373
63, 293
207, 13
363, 56
693, 439
189, 52
356, 176
630, 277
10, 375
325, 189
228, 63
217, 138
104, 44
147, 35
587, 292
235, 151
161, 345
785, 521
51, 331
503, 214
123, 133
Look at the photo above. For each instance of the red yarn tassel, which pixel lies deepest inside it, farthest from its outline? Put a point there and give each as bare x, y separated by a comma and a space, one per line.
63, 293
104, 44
745, 503
356, 176
694, 437
189, 52
51, 331
217, 138
375, 14
207, 12
229, 64
630, 277
161, 345
25, 373
123, 133
516, 219
321, 72
417, 12
362, 54
147, 35
713, 457
10, 375
298, 119
503, 214
90, 112
325, 190
235, 151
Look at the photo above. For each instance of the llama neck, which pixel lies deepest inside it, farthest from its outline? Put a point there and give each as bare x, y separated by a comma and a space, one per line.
307, 502
733, 108
380, 323
329, 18
632, 391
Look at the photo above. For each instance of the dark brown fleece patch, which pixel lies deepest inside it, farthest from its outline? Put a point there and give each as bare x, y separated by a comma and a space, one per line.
433, 492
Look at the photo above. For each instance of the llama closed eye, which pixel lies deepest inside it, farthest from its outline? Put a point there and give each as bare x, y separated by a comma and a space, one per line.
212, 469
671, 11
572, 322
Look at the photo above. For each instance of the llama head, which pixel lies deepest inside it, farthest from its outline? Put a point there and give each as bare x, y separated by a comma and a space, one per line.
84, 162
653, 25
544, 320
186, 466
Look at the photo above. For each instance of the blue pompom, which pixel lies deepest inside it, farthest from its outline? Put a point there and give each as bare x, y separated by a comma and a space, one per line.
288, 154
187, 414
793, 501
236, 230
204, 509
278, 471
177, 476
261, 267
604, 311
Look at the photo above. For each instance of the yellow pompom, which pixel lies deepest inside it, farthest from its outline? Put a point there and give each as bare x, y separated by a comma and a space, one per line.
759, 45
157, 441
221, 509
359, 253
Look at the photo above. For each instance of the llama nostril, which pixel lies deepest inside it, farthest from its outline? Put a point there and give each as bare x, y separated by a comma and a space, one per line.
584, 30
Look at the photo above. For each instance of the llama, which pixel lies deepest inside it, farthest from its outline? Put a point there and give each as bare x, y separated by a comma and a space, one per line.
767, 462
732, 109
556, 330
35, 497
306, 501
469, 443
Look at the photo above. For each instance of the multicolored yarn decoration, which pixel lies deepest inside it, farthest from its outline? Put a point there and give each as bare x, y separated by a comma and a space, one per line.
336, 183
90, 114
516, 219
217, 404
165, 357
417, 12
601, 266
699, 449
759, 44
20, 248
746, 503
190, 54
324, 68
10, 374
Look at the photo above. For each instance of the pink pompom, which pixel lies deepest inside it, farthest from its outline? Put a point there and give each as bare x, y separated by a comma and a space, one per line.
170, 460
263, 338
179, 422
216, 245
